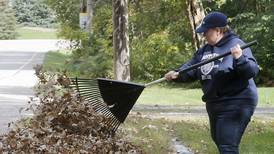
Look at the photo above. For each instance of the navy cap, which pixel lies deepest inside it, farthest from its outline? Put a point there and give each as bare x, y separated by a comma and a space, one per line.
212, 20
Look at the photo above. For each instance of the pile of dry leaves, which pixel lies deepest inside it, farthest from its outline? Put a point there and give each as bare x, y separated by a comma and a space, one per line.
62, 123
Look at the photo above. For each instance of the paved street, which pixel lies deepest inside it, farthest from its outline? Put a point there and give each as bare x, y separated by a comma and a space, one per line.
17, 58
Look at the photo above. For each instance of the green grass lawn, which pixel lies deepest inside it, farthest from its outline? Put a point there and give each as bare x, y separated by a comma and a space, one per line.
55, 61
154, 135
166, 95
36, 33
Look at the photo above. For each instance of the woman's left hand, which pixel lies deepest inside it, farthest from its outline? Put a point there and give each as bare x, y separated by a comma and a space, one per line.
236, 51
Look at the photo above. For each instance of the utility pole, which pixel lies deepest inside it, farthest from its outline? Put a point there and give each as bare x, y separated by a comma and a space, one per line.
86, 14
83, 17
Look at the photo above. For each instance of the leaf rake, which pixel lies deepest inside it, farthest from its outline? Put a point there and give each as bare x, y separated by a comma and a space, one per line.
114, 99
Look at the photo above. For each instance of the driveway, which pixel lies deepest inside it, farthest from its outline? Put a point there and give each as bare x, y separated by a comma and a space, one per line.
17, 58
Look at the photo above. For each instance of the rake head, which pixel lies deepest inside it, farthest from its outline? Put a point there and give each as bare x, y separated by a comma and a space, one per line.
114, 99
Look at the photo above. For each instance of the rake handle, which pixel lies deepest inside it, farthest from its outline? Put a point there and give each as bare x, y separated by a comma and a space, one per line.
203, 62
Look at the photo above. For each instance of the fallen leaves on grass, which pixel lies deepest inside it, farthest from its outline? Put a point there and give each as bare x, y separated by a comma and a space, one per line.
62, 123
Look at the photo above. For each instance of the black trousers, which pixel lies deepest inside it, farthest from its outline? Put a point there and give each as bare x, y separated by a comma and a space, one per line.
228, 121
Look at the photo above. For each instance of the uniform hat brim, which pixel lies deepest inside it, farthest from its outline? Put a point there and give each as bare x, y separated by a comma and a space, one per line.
201, 29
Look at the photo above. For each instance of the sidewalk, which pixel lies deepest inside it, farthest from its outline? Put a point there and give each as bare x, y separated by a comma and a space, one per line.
17, 78
41, 45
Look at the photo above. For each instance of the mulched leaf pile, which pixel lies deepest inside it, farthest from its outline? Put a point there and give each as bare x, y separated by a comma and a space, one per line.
62, 123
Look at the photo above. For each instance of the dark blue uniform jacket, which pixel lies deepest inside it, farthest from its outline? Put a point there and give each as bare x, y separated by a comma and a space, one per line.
226, 79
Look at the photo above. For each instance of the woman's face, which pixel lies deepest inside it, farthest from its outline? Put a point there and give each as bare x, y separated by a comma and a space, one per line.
212, 36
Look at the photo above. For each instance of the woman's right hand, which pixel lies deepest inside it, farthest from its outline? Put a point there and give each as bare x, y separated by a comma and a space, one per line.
171, 75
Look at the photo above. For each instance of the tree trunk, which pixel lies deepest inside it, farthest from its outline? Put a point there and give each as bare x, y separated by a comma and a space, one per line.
196, 14
90, 14
121, 40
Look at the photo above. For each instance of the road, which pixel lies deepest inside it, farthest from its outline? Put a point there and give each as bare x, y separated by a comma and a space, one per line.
17, 58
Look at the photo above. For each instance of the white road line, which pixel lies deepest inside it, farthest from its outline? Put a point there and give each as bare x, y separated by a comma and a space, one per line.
20, 68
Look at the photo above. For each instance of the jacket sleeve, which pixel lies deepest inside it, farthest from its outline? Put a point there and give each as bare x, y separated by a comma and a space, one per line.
190, 75
246, 65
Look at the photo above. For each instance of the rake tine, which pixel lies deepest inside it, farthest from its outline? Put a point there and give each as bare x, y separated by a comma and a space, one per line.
116, 125
106, 112
89, 90
99, 106
87, 83
90, 94
103, 110
77, 85
98, 94
111, 122
96, 101
87, 87
83, 79
109, 114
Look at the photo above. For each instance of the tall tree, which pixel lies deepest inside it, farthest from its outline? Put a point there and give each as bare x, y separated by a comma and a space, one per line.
196, 13
121, 40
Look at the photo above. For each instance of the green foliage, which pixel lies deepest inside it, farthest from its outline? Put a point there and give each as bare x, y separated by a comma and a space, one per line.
160, 37
67, 14
155, 56
7, 22
33, 13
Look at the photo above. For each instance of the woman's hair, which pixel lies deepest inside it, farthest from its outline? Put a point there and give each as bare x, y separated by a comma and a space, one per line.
224, 29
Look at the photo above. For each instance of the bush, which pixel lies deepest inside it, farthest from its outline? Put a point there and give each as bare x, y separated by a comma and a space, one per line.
155, 56
7, 22
33, 13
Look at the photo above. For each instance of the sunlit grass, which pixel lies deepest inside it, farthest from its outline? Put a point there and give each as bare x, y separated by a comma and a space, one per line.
166, 95
36, 33
55, 61
154, 135
162, 95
